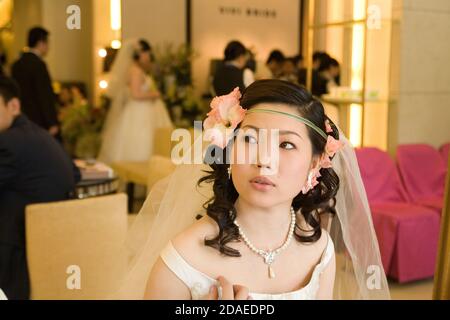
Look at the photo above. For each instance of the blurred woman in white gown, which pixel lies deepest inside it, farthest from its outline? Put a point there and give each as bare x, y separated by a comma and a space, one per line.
136, 109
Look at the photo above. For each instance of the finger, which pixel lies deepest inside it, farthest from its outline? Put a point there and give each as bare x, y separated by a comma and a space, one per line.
240, 292
213, 293
227, 289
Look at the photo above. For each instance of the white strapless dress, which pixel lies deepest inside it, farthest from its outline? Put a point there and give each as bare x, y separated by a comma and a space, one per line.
200, 283
2, 295
130, 130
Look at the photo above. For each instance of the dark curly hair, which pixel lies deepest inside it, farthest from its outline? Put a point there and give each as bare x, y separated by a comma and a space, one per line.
318, 201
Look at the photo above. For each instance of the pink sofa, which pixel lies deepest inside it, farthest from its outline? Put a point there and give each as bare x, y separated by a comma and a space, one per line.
445, 151
422, 171
407, 233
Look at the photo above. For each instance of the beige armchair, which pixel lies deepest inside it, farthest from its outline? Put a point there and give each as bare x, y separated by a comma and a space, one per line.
75, 248
148, 172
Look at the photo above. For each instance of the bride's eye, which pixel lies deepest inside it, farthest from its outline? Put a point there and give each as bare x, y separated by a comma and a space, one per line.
250, 139
287, 145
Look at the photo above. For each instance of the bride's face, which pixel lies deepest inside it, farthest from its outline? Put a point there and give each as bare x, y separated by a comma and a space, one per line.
145, 59
287, 160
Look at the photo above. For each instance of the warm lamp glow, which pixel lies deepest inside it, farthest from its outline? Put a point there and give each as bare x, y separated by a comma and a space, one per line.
359, 13
116, 44
357, 55
102, 53
359, 9
103, 84
116, 14
355, 124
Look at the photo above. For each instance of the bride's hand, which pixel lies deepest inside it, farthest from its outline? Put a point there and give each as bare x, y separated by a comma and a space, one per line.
229, 291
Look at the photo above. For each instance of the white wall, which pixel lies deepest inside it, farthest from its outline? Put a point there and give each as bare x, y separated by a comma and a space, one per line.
26, 14
157, 21
214, 25
70, 50
421, 81
70, 55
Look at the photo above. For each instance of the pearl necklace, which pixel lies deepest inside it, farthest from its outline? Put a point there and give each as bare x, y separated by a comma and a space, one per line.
270, 255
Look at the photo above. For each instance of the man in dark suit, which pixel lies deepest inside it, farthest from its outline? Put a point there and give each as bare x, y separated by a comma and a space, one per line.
229, 74
30, 72
34, 168
2, 63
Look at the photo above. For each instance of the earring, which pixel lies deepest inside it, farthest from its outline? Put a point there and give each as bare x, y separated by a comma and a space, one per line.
229, 172
309, 183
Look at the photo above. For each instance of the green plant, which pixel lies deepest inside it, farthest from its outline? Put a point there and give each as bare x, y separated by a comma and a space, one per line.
173, 75
81, 127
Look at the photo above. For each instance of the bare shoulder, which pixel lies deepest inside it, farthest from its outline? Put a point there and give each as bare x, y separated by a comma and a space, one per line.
135, 68
163, 283
316, 249
192, 239
135, 71
307, 230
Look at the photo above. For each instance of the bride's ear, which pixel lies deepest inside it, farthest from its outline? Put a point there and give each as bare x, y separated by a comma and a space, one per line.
314, 162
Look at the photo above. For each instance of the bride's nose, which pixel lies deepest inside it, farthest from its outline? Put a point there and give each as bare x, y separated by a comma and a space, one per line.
267, 162
263, 160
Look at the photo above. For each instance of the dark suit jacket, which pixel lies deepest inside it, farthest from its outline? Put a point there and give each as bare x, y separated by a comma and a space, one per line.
226, 78
319, 84
38, 99
34, 168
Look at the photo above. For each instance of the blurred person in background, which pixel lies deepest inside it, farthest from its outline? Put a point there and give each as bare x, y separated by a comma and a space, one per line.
2, 63
275, 63
31, 73
234, 71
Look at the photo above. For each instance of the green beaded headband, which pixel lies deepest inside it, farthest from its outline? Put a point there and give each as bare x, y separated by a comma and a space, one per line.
301, 119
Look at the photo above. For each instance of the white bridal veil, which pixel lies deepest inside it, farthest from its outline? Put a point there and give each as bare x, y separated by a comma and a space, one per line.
117, 91
175, 201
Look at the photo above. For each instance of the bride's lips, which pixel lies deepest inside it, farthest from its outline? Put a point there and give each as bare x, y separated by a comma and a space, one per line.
262, 183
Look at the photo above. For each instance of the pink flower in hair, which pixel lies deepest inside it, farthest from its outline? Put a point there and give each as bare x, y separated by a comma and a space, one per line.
328, 127
312, 180
332, 146
325, 161
225, 115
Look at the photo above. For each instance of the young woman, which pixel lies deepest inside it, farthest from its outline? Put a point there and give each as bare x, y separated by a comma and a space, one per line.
265, 228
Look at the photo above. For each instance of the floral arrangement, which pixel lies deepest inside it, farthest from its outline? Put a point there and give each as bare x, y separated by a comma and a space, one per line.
173, 74
81, 126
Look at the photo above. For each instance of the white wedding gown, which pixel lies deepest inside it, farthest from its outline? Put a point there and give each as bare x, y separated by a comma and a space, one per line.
200, 283
130, 130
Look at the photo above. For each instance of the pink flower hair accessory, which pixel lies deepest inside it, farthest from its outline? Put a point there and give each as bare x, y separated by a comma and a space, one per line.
332, 146
225, 115
328, 128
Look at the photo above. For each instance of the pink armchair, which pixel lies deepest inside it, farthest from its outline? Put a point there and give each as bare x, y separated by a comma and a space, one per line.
445, 152
407, 233
422, 171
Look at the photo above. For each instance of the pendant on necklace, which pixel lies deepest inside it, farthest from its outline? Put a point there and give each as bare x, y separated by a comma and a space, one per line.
269, 257
271, 272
